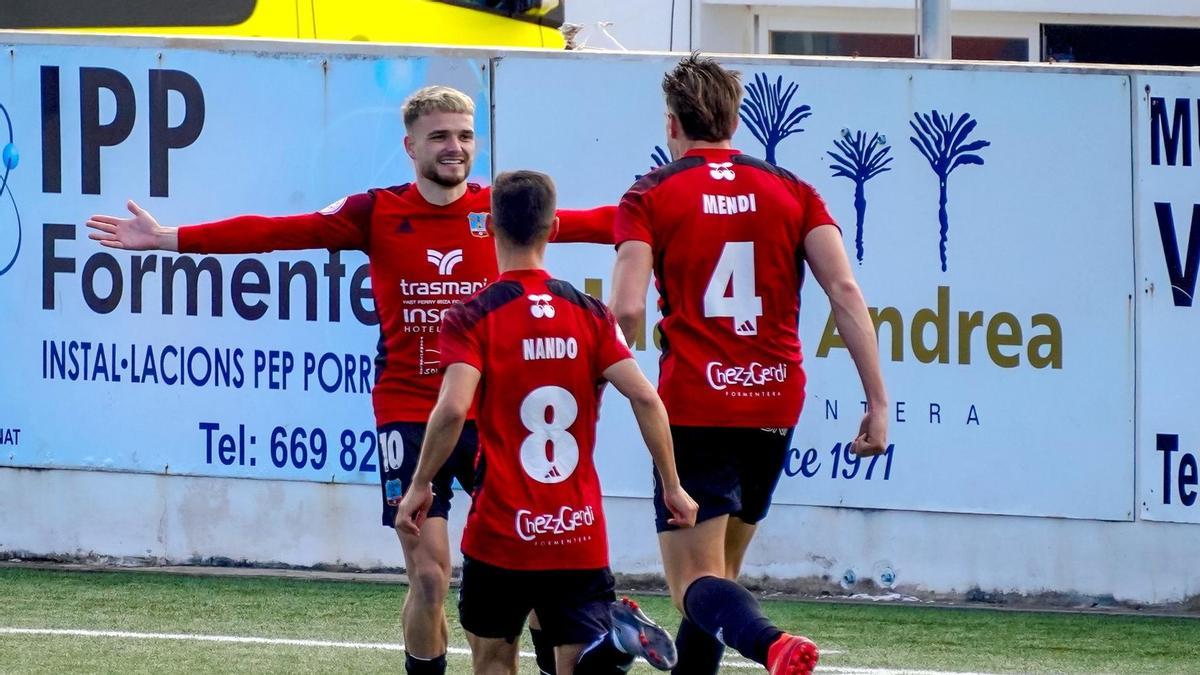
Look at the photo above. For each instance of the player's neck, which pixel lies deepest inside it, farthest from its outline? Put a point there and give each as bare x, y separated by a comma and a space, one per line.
687, 146
513, 259
440, 195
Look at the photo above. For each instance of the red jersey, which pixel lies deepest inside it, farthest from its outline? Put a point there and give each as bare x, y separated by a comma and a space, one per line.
727, 233
423, 259
542, 348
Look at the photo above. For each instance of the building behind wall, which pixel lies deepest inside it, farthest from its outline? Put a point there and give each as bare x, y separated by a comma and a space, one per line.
1147, 32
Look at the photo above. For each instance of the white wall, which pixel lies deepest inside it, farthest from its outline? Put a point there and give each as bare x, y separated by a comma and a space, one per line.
173, 519
900, 18
727, 26
728, 30
1161, 8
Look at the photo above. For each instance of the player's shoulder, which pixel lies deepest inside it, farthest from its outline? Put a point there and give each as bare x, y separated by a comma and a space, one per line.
768, 168
394, 190
491, 298
666, 172
568, 292
479, 197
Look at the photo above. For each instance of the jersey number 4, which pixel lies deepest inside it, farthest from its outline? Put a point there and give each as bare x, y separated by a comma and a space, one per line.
549, 454
732, 291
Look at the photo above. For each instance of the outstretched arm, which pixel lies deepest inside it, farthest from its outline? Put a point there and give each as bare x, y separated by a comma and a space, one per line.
589, 226
652, 420
827, 259
342, 226
441, 435
139, 233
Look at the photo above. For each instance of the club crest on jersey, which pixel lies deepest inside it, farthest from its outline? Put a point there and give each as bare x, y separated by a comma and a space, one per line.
721, 170
541, 307
478, 224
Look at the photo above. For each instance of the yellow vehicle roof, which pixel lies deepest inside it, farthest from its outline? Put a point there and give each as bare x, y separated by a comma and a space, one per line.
523, 23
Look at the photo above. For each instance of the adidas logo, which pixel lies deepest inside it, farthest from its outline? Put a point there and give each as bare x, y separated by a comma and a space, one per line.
747, 327
552, 473
445, 262
404, 227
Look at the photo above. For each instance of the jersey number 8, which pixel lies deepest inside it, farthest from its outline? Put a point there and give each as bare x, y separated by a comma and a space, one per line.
549, 454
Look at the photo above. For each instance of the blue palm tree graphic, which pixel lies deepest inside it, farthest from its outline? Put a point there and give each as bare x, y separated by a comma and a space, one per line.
861, 159
942, 140
659, 157
768, 114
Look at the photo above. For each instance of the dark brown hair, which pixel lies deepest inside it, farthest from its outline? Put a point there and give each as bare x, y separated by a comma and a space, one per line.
523, 206
704, 97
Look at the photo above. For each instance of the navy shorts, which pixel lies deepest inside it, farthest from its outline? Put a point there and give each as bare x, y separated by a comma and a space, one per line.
399, 449
572, 605
727, 470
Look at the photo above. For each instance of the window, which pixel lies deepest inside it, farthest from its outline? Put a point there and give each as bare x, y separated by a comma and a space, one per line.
123, 13
1138, 45
894, 45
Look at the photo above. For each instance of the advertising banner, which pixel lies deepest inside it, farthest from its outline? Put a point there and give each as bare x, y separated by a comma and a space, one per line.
987, 216
256, 366
1167, 160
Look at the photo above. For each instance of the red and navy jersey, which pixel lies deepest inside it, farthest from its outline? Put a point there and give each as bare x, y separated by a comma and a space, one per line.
423, 260
542, 348
727, 234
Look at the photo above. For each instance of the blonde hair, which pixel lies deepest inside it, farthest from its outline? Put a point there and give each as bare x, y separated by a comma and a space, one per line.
433, 99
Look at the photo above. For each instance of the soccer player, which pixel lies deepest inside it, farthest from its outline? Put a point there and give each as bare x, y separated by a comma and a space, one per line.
536, 352
428, 249
726, 236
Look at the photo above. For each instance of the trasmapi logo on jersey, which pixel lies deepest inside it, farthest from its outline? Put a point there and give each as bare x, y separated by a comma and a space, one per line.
425, 303
736, 380
444, 262
541, 307
568, 520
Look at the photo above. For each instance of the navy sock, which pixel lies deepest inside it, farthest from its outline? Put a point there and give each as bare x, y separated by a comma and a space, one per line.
699, 652
415, 666
544, 651
729, 613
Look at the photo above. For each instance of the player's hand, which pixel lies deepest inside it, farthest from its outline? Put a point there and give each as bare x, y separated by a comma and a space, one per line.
872, 434
414, 508
682, 507
139, 233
